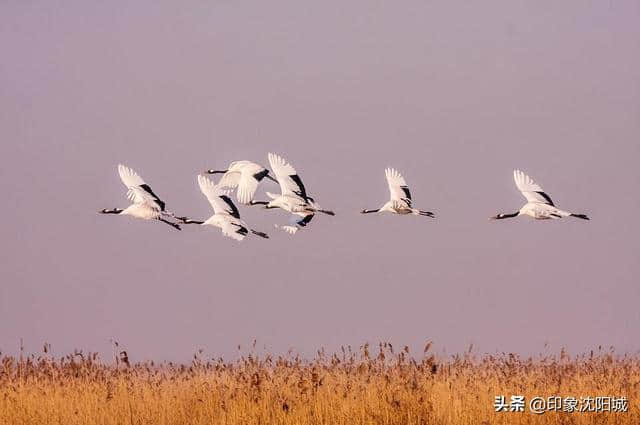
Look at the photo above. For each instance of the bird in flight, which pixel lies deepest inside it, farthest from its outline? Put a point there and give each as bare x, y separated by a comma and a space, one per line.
293, 196
400, 201
245, 175
539, 205
146, 204
226, 215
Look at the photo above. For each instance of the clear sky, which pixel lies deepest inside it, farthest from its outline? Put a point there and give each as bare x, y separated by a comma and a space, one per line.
453, 94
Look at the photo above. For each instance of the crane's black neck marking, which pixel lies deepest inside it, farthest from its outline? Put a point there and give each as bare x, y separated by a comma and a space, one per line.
261, 175
186, 220
216, 171
113, 211
503, 215
369, 211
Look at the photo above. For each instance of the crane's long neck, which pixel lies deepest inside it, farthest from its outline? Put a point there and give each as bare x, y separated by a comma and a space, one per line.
370, 211
503, 215
187, 220
112, 211
216, 171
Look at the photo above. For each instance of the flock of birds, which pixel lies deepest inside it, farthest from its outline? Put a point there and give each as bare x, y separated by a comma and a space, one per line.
245, 176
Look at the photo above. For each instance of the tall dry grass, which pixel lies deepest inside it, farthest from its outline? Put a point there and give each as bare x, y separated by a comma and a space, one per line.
364, 386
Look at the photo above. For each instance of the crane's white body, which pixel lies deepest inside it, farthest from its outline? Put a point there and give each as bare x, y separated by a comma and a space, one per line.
143, 211
292, 204
400, 201
539, 205
243, 175
542, 211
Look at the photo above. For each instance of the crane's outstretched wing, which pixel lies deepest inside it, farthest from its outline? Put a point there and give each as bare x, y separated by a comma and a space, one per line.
532, 191
245, 175
230, 179
246, 187
138, 191
290, 182
398, 189
218, 198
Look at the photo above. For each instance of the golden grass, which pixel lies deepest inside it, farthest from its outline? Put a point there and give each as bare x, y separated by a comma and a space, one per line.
384, 387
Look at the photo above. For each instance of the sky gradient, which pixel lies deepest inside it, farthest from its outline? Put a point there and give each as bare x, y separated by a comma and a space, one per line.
455, 95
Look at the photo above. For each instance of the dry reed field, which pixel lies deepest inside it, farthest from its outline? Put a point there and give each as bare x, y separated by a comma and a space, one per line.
379, 385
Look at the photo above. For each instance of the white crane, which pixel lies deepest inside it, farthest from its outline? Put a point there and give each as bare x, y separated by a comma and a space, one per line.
245, 175
539, 205
400, 197
226, 215
293, 196
146, 204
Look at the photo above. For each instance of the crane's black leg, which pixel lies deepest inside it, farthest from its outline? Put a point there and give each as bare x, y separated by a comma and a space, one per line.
174, 225
261, 234
582, 216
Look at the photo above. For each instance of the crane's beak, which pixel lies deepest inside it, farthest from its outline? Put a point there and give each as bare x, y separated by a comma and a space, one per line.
271, 178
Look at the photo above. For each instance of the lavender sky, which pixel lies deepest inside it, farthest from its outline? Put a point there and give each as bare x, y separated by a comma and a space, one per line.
453, 94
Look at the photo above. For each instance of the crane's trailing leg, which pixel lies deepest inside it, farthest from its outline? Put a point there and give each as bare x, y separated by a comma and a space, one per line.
174, 225
261, 234
582, 216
